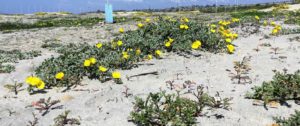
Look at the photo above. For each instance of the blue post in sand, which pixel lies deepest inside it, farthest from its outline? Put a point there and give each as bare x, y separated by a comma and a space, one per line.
109, 13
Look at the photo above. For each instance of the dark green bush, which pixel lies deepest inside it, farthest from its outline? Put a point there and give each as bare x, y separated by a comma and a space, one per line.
294, 120
283, 87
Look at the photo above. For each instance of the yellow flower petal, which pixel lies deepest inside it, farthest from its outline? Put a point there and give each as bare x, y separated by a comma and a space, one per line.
120, 43
116, 75
121, 30
158, 52
87, 63
168, 44
230, 48
59, 75
99, 45
102, 69
93, 61
41, 85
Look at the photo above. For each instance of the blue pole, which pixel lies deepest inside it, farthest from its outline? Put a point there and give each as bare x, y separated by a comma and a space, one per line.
108, 13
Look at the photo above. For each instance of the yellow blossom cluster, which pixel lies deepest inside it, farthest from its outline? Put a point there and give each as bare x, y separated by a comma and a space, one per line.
276, 29
140, 25
226, 33
60, 75
184, 27
35, 82
89, 62
224, 23
196, 45
169, 42
186, 20
125, 55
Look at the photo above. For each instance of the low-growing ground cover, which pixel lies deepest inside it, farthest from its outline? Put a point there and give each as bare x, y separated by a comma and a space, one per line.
13, 57
152, 39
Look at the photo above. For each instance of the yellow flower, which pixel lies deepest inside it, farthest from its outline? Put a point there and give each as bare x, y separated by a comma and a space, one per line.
125, 55
186, 27
99, 45
116, 75
273, 23
185, 20
220, 22
212, 30
87, 63
35, 81
121, 30
148, 20
138, 52
228, 40
235, 35
278, 27
171, 40
102, 69
59, 75
265, 23
222, 28
257, 17
197, 44
213, 26
158, 52
120, 43
29, 80
140, 25
230, 48
274, 31
149, 57
235, 20
183, 26
168, 44
93, 60
41, 85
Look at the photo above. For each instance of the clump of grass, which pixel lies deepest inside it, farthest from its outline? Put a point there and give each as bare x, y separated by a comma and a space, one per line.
294, 120
170, 109
283, 87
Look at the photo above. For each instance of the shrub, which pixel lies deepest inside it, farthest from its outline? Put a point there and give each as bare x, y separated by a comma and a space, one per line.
294, 120
123, 52
170, 109
283, 87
